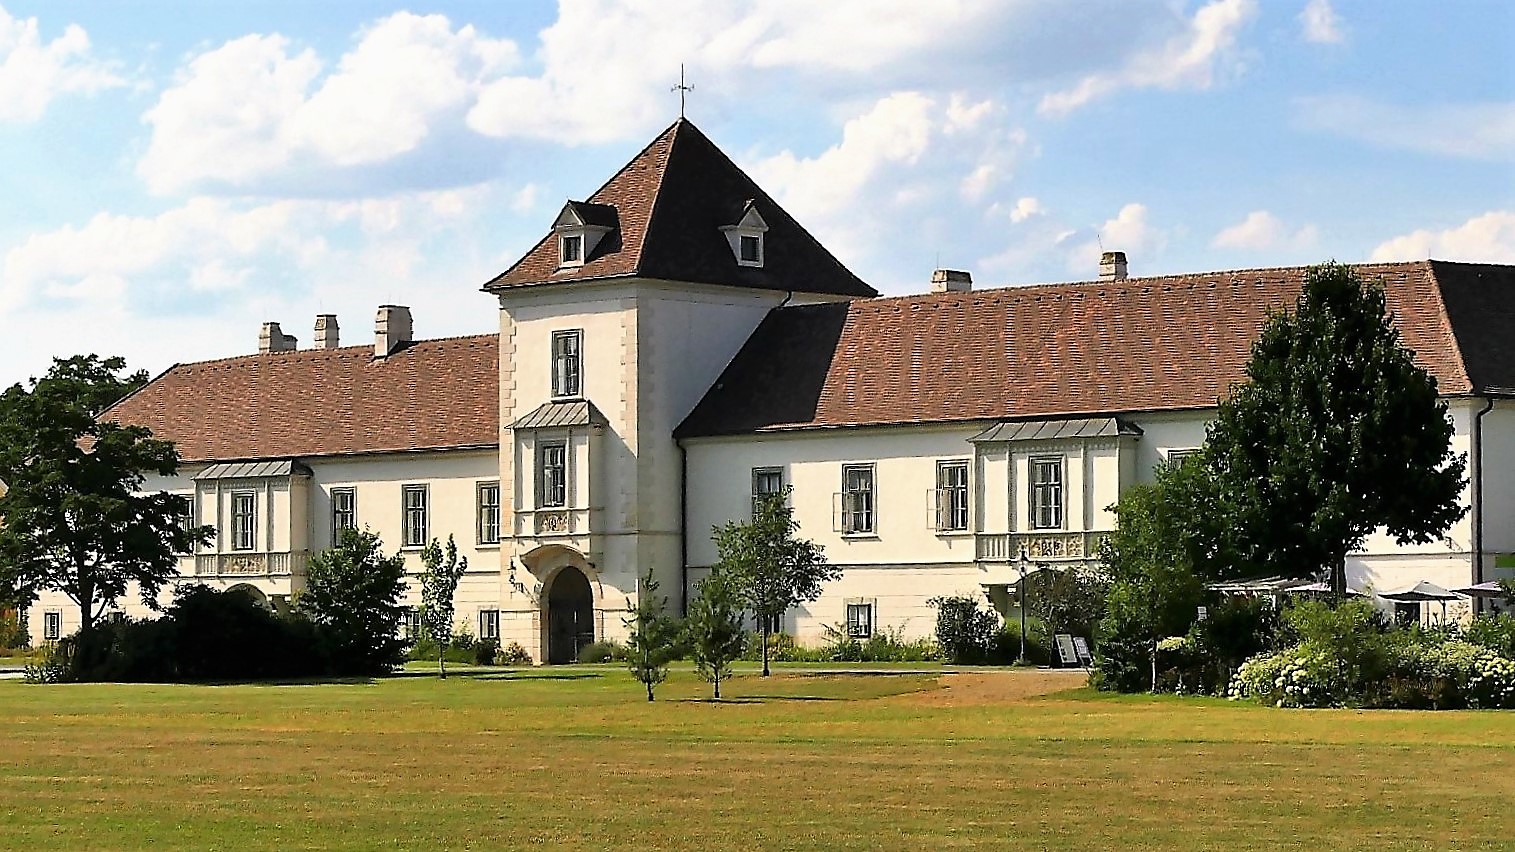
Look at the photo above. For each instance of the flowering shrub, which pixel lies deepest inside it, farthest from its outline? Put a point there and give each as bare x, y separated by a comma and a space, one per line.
1424, 670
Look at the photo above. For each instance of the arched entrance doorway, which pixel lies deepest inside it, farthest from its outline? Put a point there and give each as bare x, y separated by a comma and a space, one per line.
252, 593
570, 615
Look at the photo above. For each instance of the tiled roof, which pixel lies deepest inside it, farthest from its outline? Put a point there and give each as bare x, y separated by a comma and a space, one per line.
671, 201
1095, 348
430, 394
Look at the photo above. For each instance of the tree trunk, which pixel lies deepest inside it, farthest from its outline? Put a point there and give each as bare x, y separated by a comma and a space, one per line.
717, 685
649, 690
1154, 666
442, 660
765, 647
1339, 577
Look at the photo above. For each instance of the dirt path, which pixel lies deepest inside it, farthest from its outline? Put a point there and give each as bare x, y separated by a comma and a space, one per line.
1000, 687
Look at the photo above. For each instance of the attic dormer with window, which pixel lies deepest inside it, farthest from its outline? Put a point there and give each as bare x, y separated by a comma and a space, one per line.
579, 229
747, 236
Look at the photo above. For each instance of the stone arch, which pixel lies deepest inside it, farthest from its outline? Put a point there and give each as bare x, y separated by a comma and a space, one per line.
253, 593
569, 598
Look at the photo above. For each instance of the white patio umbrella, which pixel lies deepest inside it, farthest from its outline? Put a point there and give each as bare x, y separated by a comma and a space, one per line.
1491, 589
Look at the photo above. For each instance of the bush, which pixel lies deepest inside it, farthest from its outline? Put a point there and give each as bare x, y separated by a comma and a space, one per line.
12, 633
602, 652
1495, 632
484, 652
1005, 645
964, 629
513, 655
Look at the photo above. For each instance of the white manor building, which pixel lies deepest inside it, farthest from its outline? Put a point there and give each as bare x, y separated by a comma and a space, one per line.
677, 345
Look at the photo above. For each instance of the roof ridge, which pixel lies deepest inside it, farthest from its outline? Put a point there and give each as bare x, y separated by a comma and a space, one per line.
295, 355
1449, 328
657, 185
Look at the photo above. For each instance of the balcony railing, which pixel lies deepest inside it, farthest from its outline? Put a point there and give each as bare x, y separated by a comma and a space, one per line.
251, 564
552, 523
1039, 546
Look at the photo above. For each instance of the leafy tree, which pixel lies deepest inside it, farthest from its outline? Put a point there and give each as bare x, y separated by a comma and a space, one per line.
654, 636
964, 629
353, 593
439, 584
1154, 592
714, 628
75, 520
1334, 433
1067, 601
773, 570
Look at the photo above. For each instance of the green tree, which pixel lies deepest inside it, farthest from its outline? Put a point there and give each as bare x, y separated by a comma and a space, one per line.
714, 628
76, 520
773, 570
1154, 591
1067, 601
353, 594
439, 584
1335, 432
654, 636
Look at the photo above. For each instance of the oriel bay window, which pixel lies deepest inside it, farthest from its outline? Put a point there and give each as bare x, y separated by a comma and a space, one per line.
244, 520
415, 520
1047, 493
951, 495
566, 363
552, 475
857, 500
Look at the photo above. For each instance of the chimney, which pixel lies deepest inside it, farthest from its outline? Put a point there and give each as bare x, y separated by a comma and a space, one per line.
391, 330
272, 339
1112, 266
951, 281
326, 331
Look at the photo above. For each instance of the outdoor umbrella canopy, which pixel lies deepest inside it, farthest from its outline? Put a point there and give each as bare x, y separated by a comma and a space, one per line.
1321, 589
1490, 589
1425, 590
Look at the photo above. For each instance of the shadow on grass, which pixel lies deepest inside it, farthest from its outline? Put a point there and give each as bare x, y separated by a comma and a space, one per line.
757, 699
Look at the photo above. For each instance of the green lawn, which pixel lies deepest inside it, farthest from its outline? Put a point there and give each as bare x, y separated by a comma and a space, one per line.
574, 759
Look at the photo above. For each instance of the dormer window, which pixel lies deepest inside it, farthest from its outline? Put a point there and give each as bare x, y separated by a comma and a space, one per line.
746, 236
580, 228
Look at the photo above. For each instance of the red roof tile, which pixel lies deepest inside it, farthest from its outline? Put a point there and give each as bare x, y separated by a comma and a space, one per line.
431, 394
671, 201
1143, 344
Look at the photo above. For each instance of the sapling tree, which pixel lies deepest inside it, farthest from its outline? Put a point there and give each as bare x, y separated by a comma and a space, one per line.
439, 584
654, 636
353, 593
773, 569
714, 628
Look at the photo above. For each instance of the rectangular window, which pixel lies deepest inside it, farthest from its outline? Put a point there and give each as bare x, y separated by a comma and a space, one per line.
573, 249
857, 499
766, 482
244, 520
489, 513
187, 520
415, 520
413, 622
952, 495
344, 512
52, 626
489, 624
552, 476
1176, 457
751, 249
1047, 493
860, 620
775, 623
566, 379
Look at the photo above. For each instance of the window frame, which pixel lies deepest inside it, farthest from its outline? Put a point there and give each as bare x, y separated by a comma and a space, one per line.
861, 628
953, 501
860, 521
561, 359
337, 513
544, 489
244, 522
409, 540
762, 474
489, 624
756, 241
52, 625
487, 515
575, 239
1176, 455
414, 624
1039, 488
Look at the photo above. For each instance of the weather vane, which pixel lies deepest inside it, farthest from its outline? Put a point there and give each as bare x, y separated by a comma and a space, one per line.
681, 89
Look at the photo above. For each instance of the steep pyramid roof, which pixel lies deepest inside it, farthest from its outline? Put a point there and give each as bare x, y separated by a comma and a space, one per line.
671, 202
1078, 350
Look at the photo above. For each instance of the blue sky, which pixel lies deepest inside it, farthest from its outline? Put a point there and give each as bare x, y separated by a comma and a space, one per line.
178, 173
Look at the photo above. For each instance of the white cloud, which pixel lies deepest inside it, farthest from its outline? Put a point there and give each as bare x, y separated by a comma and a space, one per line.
1262, 231
1479, 131
1025, 208
1489, 238
252, 106
1320, 24
33, 72
1129, 231
1187, 61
